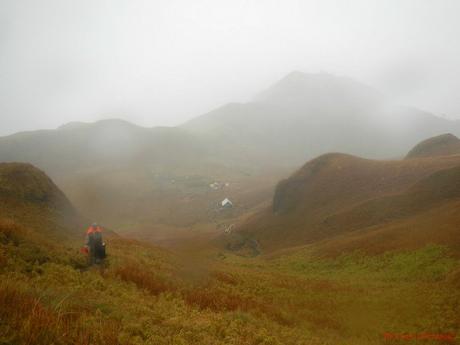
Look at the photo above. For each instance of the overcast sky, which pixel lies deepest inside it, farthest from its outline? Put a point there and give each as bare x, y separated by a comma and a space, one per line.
163, 62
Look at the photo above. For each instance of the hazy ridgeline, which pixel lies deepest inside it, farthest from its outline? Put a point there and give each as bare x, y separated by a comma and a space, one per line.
155, 181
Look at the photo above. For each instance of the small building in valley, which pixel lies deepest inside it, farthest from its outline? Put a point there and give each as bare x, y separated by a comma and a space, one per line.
226, 203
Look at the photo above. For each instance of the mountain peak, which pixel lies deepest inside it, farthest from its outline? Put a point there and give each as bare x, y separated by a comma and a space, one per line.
302, 76
317, 90
73, 125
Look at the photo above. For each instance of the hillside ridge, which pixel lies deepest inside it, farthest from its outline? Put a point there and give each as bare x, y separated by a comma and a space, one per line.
336, 193
444, 144
29, 197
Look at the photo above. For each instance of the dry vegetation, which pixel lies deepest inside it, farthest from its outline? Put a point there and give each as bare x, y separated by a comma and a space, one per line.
445, 144
143, 296
336, 194
332, 292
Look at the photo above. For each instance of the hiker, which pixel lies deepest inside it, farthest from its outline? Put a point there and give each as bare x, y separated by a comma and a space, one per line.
94, 244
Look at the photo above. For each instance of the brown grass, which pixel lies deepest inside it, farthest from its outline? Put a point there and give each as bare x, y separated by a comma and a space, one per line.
32, 323
224, 277
305, 205
441, 145
10, 231
216, 299
143, 279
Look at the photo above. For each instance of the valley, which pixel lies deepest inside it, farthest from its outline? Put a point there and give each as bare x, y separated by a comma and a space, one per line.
155, 182
144, 294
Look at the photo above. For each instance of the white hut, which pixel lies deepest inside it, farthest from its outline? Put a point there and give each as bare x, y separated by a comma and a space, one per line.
226, 203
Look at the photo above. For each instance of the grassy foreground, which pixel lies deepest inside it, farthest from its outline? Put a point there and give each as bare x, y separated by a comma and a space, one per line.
145, 295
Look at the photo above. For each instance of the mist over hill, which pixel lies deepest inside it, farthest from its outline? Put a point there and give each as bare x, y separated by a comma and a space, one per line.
297, 118
305, 115
104, 144
136, 177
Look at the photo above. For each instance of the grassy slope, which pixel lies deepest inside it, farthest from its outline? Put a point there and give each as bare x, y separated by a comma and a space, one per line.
148, 296
425, 213
442, 145
337, 193
26, 193
145, 295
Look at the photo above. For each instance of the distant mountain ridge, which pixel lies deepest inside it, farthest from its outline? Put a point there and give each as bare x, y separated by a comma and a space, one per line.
318, 91
111, 164
305, 115
106, 143
299, 117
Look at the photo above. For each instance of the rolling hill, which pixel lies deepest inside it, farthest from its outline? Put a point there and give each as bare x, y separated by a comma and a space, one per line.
107, 144
356, 203
442, 145
30, 198
156, 180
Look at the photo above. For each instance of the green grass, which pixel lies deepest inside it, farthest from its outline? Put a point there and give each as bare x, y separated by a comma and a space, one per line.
430, 263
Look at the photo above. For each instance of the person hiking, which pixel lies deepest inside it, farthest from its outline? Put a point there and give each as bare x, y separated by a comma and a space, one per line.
96, 248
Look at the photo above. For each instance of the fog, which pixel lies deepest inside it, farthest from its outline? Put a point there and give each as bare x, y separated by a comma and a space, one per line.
163, 62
